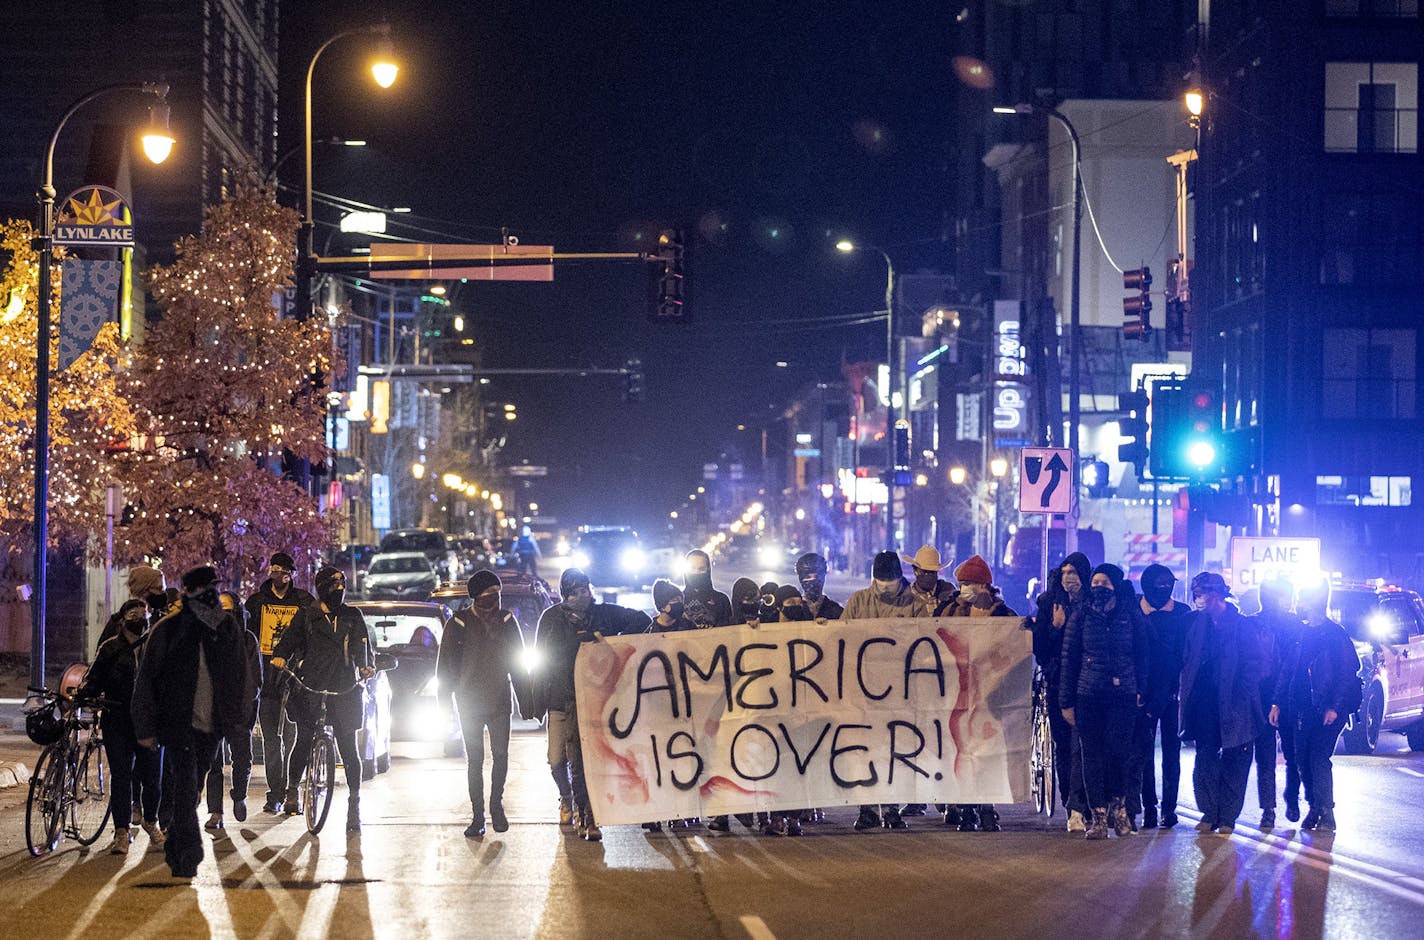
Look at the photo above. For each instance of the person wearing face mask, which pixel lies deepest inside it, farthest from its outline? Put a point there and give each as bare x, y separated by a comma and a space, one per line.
1167, 622
481, 661
269, 611
977, 597
672, 610
746, 602
190, 690
1318, 690
112, 677
1050, 628
811, 575
1221, 702
768, 611
1104, 675
562, 629
329, 649
887, 596
928, 591
1278, 631
706, 606
237, 748
790, 605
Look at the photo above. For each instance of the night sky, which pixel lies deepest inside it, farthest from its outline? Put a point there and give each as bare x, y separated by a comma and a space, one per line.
773, 129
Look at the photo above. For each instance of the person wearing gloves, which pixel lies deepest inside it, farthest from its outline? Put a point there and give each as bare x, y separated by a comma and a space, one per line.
706, 606
329, 649
928, 591
811, 575
1104, 675
1221, 702
269, 611
977, 597
481, 661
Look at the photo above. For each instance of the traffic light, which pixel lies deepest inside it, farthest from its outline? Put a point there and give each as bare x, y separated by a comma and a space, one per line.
1187, 438
1095, 479
902, 446
633, 380
1179, 329
1133, 430
1137, 309
669, 295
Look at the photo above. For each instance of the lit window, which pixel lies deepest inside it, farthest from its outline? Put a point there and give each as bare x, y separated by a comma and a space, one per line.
1362, 491
1372, 107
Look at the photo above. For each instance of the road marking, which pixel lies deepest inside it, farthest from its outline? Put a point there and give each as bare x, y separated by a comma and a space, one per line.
756, 928
699, 844
1409, 770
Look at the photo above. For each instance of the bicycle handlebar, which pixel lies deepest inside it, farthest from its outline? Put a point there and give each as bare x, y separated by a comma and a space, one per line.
298, 681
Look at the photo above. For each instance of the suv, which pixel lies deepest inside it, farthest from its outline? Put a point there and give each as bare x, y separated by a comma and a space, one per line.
528, 596
612, 557
1387, 625
411, 631
430, 542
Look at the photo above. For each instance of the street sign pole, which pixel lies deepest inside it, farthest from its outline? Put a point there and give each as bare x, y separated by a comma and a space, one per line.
1046, 487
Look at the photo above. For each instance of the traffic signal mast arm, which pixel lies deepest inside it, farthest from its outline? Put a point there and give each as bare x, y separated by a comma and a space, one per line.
356, 264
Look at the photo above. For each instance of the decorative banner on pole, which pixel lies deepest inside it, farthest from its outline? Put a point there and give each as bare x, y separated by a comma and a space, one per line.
793, 715
88, 301
95, 216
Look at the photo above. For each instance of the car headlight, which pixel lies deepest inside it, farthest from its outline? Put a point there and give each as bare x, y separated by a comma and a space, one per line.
632, 560
769, 555
431, 688
1381, 627
679, 567
581, 560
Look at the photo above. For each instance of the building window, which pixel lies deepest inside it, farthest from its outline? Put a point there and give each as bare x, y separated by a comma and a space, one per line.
1370, 237
1371, 7
1369, 374
1371, 107
1362, 491
1242, 262
1241, 376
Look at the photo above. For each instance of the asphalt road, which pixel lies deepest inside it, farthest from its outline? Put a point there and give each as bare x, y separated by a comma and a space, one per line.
411, 873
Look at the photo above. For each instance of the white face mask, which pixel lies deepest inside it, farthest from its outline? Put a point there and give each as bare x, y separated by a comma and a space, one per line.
1199, 603
969, 591
886, 587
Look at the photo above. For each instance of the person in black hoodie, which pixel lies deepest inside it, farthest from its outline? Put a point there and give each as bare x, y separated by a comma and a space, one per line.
1278, 632
1066, 590
706, 606
1167, 621
811, 575
190, 691
1318, 690
1104, 672
269, 612
329, 649
112, 677
481, 660
672, 609
237, 748
1221, 702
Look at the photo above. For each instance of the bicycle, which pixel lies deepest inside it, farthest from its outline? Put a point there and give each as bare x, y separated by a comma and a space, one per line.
1043, 779
69, 790
318, 781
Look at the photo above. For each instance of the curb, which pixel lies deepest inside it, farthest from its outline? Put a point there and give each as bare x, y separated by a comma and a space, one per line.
13, 774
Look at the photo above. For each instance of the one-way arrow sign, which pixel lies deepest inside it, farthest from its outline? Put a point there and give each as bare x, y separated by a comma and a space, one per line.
1046, 480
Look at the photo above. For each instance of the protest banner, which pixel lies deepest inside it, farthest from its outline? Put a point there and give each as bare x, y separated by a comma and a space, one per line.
792, 715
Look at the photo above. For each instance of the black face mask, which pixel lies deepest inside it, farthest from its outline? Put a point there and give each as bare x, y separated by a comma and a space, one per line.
767, 614
676, 610
699, 580
750, 611
1158, 593
208, 598
813, 589
487, 603
795, 612
1102, 597
333, 597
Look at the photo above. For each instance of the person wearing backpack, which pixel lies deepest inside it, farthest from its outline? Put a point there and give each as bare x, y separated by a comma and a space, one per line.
1318, 691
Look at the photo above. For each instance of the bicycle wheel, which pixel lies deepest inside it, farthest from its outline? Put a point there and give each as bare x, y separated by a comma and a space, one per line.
90, 789
43, 811
317, 783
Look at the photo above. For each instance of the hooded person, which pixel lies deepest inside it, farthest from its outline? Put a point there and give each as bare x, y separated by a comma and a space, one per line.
1167, 621
329, 649
144, 580
190, 690
672, 609
1104, 677
768, 610
928, 591
1221, 702
706, 606
790, 605
811, 575
746, 601
977, 597
562, 629
481, 661
888, 594
269, 611
1278, 630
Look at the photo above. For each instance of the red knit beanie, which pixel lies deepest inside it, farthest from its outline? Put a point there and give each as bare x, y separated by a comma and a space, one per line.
975, 571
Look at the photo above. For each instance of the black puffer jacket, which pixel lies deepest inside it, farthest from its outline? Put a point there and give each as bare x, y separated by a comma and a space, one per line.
1105, 651
1322, 670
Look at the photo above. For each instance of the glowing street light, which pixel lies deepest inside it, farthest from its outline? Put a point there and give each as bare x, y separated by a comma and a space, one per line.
957, 475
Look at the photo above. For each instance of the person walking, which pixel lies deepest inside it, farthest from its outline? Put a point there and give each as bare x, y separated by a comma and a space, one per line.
706, 606
1278, 631
811, 575
111, 677
329, 650
1167, 621
481, 663
1318, 690
1104, 668
928, 591
269, 612
977, 597
562, 629
1064, 594
235, 749
189, 692
526, 549
1221, 702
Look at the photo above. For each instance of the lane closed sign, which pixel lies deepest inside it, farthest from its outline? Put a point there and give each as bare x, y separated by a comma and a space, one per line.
1254, 560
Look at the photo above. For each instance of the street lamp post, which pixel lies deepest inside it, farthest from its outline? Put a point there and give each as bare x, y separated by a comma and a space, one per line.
384, 71
1075, 316
157, 143
848, 247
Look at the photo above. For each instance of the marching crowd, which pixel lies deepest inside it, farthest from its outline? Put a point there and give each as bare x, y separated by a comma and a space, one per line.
186, 676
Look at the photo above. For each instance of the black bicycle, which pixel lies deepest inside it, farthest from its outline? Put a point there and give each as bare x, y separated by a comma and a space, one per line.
1043, 781
69, 790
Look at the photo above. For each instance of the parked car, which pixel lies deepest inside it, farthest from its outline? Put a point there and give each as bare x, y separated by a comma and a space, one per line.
612, 556
1387, 625
399, 576
374, 738
476, 552
430, 542
411, 632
